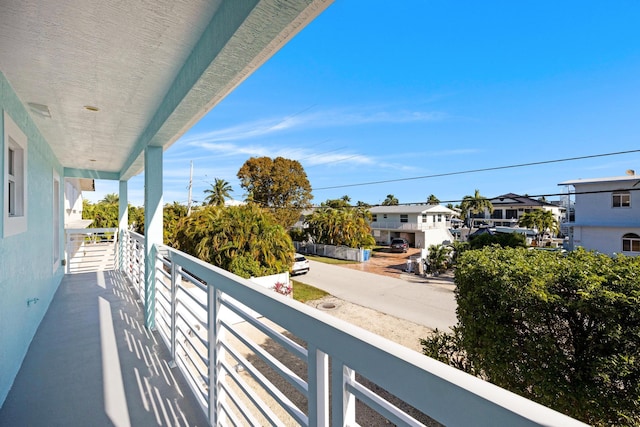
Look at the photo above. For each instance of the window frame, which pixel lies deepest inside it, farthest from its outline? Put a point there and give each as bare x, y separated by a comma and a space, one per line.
56, 219
633, 240
404, 218
621, 194
14, 175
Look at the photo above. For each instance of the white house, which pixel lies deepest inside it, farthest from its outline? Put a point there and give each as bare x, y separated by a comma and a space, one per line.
421, 225
607, 214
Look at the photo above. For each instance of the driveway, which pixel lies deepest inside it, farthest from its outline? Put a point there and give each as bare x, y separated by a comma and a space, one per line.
426, 302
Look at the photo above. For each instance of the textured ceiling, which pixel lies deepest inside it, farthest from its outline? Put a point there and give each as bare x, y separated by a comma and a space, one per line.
152, 68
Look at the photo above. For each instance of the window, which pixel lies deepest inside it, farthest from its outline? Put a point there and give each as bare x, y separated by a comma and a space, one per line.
497, 214
511, 214
621, 199
631, 242
15, 178
424, 217
439, 217
404, 218
56, 220
384, 216
374, 218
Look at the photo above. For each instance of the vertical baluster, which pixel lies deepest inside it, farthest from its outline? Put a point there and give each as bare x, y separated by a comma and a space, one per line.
176, 276
318, 401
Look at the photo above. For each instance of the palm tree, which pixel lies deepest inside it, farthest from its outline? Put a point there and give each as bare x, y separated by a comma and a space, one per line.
391, 200
433, 200
110, 199
218, 193
540, 219
474, 205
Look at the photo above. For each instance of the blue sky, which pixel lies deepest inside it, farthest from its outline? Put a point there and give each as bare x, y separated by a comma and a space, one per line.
376, 90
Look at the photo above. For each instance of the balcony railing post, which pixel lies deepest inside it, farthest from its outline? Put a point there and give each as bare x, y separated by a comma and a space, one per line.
213, 332
175, 277
318, 366
342, 401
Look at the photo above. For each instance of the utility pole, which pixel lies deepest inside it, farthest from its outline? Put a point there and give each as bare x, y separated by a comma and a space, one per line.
190, 185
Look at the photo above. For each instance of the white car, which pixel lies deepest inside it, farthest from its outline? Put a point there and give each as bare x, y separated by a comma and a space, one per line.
300, 265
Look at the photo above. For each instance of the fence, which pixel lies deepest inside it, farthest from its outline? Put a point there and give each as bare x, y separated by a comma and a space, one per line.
338, 252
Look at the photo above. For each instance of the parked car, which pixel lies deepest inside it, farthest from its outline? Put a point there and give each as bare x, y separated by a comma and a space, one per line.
300, 265
399, 245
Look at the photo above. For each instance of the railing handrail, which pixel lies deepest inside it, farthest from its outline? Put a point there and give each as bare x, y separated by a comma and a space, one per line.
414, 378
90, 230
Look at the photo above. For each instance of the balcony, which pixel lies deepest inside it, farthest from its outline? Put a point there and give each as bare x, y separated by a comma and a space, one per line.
408, 226
224, 351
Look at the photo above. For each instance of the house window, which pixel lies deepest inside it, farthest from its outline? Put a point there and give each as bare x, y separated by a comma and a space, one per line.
384, 216
439, 217
424, 217
511, 214
374, 218
497, 214
56, 220
631, 242
15, 178
621, 199
404, 218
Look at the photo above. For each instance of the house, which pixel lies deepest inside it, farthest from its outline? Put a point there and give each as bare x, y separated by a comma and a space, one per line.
607, 214
509, 208
421, 225
98, 90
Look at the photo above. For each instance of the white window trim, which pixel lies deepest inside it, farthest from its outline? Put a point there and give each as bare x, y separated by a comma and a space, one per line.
56, 255
14, 224
621, 193
631, 240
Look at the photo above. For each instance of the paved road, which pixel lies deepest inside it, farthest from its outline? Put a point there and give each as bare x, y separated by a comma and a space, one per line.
429, 304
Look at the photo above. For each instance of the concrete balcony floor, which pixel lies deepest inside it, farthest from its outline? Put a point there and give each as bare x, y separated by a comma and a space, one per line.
92, 363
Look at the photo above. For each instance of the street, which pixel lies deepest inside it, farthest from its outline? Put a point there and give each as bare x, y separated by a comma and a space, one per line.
429, 304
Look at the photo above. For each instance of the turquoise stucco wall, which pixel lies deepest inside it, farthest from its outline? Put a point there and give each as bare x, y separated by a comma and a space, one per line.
26, 260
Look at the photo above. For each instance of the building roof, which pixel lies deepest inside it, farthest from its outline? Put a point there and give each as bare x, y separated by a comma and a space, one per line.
412, 209
623, 178
512, 199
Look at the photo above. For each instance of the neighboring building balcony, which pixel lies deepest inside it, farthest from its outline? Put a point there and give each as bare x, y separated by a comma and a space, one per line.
408, 226
224, 351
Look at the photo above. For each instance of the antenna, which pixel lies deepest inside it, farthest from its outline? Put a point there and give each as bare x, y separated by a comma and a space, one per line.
190, 185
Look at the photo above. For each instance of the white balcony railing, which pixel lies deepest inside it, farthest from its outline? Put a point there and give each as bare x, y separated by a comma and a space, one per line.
308, 368
90, 249
408, 226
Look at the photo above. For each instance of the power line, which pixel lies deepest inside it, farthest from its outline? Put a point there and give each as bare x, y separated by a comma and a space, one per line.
520, 165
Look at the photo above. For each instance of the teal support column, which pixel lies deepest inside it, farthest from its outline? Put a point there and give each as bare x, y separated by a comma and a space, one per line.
153, 227
123, 224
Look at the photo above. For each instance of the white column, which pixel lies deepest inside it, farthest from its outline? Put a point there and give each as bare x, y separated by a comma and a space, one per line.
123, 224
153, 227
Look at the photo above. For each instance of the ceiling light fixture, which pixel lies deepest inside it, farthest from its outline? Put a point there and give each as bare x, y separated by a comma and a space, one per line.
40, 109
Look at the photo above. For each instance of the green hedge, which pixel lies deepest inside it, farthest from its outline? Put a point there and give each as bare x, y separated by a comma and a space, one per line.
562, 330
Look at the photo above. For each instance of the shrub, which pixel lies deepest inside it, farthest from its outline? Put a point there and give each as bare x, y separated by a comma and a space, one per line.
563, 330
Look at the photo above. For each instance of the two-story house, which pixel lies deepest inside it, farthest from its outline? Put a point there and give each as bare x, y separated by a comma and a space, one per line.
421, 225
509, 208
607, 214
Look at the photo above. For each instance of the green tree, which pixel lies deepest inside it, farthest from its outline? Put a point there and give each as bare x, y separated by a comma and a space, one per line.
342, 226
245, 240
342, 202
540, 219
505, 240
559, 329
433, 200
473, 205
279, 184
218, 193
391, 200
438, 257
